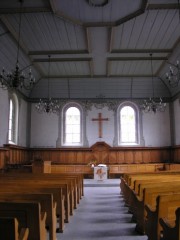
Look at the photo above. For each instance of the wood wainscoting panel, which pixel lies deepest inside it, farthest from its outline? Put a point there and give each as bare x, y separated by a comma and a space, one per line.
88, 157
70, 169
16, 154
63, 157
71, 156
3, 157
58, 168
113, 169
166, 155
113, 157
138, 156
56, 156
146, 156
176, 154
99, 152
129, 156
103, 153
84, 169
155, 155
120, 157
80, 157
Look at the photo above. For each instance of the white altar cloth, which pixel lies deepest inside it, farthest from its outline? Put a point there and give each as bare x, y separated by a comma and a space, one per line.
100, 172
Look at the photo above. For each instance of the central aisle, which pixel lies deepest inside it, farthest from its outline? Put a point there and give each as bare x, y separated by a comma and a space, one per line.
101, 215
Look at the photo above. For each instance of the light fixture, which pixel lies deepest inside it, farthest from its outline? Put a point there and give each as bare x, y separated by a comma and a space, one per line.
98, 3
48, 105
16, 79
153, 104
173, 76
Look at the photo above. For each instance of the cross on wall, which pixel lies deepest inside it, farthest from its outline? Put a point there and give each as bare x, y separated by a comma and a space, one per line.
100, 121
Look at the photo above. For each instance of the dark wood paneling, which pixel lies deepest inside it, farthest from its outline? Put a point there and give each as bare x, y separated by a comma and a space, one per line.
176, 154
16, 154
3, 157
101, 152
138, 158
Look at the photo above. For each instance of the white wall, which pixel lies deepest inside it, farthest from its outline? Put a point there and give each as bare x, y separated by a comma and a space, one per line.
44, 129
93, 128
4, 114
156, 128
23, 123
176, 105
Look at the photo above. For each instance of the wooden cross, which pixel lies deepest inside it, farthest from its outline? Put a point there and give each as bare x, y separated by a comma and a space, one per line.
100, 119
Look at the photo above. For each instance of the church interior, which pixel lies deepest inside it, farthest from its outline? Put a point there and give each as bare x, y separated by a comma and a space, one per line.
89, 99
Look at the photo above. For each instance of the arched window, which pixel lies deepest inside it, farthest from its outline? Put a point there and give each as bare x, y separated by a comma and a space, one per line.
72, 126
129, 125
13, 119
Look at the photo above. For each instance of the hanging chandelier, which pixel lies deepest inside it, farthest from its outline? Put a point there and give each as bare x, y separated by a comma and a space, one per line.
153, 104
48, 105
17, 79
173, 76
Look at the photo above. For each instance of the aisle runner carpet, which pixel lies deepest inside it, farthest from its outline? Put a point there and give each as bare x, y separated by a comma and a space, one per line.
101, 215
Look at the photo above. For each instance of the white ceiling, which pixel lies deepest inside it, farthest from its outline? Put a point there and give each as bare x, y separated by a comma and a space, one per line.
94, 49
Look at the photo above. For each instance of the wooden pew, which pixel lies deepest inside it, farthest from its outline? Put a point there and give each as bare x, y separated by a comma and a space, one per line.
29, 216
138, 200
42, 184
77, 180
79, 185
149, 196
147, 176
170, 231
46, 202
56, 191
9, 229
138, 188
49, 177
47, 180
128, 180
78, 176
165, 208
138, 184
71, 180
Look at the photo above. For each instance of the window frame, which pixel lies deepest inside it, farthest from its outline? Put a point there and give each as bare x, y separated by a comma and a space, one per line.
15, 116
64, 110
137, 123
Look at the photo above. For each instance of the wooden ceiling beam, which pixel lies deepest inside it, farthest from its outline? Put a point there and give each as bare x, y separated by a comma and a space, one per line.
136, 58
41, 60
88, 76
68, 76
25, 10
163, 50
57, 52
91, 66
111, 39
163, 6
